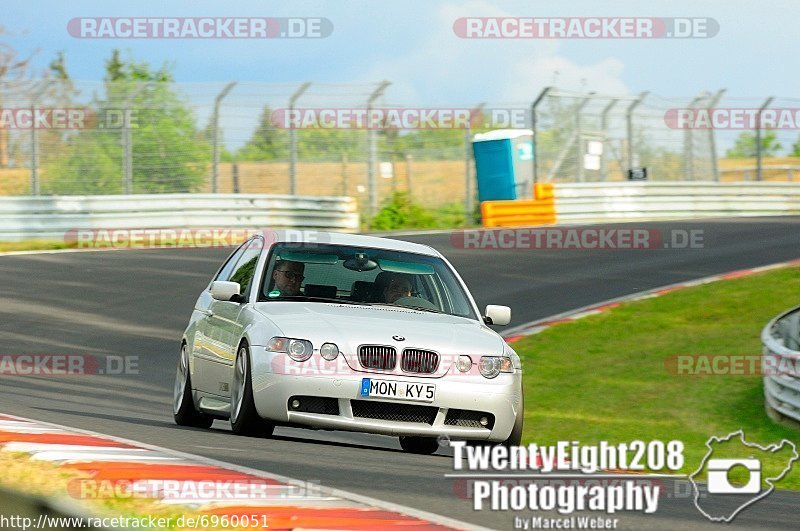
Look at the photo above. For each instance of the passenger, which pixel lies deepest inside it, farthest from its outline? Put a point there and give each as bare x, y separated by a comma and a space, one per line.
288, 276
399, 286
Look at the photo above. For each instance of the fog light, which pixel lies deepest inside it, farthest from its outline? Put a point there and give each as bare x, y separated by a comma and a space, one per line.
296, 405
484, 421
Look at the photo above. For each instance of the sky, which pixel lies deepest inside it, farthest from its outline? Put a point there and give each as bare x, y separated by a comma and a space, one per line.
413, 44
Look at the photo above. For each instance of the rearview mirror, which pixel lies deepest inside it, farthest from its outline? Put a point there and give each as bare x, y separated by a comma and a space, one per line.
224, 291
497, 315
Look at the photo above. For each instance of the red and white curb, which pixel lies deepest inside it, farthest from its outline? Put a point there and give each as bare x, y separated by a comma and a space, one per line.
282, 505
540, 325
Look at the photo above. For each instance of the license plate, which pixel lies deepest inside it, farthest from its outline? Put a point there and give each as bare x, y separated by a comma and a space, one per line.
399, 390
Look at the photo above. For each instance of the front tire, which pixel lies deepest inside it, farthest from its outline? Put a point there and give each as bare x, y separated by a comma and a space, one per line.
183, 410
514, 438
244, 417
516, 433
419, 445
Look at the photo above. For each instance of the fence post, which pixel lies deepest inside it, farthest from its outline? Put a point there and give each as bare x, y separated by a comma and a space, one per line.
372, 185
467, 174
712, 140
604, 128
409, 164
293, 139
215, 138
34, 157
688, 146
535, 158
629, 120
4, 137
35, 138
579, 149
469, 191
344, 173
127, 141
235, 177
759, 175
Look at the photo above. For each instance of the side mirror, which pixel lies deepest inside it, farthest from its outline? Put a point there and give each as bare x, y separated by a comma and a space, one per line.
497, 315
226, 291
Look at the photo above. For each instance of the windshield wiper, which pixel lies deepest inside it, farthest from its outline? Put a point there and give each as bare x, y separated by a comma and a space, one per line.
309, 298
421, 308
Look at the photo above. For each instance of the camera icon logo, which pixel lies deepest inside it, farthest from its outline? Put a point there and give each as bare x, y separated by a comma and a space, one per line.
727, 474
719, 480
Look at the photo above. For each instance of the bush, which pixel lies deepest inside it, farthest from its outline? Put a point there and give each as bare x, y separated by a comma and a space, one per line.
401, 212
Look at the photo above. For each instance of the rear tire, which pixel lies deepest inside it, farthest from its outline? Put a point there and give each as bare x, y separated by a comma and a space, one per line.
183, 410
244, 417
419, 445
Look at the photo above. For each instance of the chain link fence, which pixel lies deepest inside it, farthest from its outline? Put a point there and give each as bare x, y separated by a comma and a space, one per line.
65, 137
595, 138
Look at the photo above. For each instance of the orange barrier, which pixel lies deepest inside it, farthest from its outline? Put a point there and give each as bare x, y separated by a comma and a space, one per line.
544, 191
522, 212
518, 213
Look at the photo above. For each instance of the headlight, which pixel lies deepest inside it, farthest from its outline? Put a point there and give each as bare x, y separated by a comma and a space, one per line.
491, 366
300, 349
329, 351
464, 363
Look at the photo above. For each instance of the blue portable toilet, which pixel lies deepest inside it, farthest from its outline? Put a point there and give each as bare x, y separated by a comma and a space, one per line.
503, 164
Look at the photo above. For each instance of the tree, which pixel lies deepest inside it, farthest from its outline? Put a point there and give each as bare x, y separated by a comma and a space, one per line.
169, 154
796, 149
745, 146
270, 142
59, 93
12, 68
267, 143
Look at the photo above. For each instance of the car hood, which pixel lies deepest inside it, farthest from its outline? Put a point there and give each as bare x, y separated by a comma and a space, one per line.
350, 325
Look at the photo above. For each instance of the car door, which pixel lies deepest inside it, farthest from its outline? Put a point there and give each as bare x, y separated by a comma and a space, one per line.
204, 347
224, 329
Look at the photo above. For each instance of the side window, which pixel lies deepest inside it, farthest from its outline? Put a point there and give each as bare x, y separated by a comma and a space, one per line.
225, 273
246, 266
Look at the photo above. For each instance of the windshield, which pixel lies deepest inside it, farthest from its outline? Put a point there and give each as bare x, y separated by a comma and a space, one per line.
350, 275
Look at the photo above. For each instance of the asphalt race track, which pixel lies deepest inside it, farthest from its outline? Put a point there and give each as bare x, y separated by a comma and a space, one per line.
136, 303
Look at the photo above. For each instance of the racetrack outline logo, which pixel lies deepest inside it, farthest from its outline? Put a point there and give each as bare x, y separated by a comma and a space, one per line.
770, 481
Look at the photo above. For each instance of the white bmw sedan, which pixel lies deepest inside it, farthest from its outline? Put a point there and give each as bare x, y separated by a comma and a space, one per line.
347, 332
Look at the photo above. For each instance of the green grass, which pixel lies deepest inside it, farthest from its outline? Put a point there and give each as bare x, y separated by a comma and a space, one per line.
604, 377
46, 479
33, 245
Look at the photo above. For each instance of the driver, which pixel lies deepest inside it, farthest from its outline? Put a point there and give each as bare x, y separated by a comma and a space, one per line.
288, 276
399, 286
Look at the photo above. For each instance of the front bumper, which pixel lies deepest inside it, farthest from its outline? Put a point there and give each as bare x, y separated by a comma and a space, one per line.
274, 385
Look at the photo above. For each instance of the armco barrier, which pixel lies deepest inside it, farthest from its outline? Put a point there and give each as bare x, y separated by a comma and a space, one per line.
50, 217
604, 202
781, 340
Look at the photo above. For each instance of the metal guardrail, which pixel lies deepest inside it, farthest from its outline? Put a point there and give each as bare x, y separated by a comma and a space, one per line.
592, 202
629, 201
781, 340
51, 217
